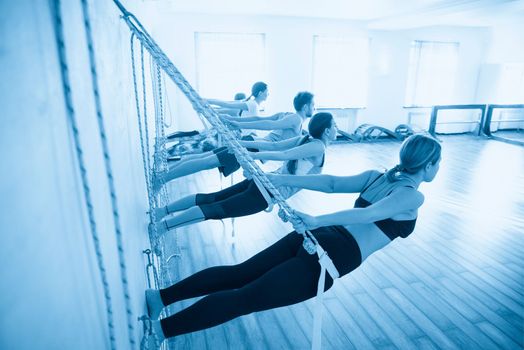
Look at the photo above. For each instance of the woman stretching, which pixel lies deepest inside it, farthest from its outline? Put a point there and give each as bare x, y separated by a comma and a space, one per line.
285, 273
304, 155
249, 107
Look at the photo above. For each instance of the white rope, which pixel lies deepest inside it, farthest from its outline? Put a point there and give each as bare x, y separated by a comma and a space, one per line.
109, 174
71, 116
153, 281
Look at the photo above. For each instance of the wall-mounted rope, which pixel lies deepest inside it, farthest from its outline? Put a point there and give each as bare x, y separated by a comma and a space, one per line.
143, 147
160, 155
71, 116
109, 173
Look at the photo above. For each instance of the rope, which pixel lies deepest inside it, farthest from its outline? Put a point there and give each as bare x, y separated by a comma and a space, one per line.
149, 334
144, 104
160, 155
166, 125
150, 264
161, 125
71, 115
144, 140
145, 155
109, 173
137, 103
310, 243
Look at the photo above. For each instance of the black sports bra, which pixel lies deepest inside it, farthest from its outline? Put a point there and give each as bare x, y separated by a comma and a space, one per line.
391, 228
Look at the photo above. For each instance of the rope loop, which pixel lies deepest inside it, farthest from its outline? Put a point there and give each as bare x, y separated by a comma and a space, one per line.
150, 338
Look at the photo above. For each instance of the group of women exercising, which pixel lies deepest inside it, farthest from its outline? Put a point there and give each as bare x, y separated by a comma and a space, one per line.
284, 273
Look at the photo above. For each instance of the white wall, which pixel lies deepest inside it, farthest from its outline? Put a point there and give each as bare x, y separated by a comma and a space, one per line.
51, 295
389, 70
506, 47
289, 49
506, 42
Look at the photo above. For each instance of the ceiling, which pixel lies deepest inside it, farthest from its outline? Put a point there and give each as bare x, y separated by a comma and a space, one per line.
379, 14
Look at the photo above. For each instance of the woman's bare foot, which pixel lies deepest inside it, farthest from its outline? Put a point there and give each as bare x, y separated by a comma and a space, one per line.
154, 303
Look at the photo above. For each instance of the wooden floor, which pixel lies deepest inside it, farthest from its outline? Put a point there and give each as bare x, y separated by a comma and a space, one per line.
456, 283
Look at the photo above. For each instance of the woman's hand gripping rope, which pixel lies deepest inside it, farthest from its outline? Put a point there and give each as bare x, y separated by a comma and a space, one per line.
306, 222
231, 124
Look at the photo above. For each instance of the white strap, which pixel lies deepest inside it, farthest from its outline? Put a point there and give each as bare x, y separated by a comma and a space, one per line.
265, 194
325, 264
319, 306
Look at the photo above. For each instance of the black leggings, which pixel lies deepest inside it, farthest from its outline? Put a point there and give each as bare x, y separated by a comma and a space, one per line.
282, 274
241, 199
228, 161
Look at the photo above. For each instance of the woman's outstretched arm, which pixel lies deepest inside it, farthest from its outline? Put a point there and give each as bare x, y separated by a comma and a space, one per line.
401, 200
307, 150
325, 183
271, 146
251, 119
228, 104
268, 124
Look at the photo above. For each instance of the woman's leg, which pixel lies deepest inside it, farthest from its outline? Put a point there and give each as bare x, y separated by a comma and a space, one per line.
191, 166
188, 165
154, 303
293, 280
290, 282
200, 199
186, 217
246, 201
181, 204
220, 278
195, 156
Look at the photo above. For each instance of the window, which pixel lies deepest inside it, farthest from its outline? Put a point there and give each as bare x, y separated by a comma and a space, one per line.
340, 71
228, 63
431, 75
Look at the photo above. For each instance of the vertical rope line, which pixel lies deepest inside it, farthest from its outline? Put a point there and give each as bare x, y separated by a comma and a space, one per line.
144, 149
160, 135
157, 157
109, 174
151, 202
168, 105
160, 157
149, 161
139, 115
144, 103
71, 116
